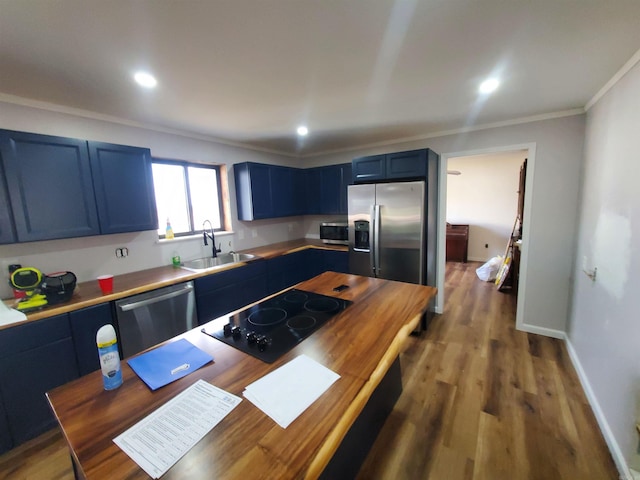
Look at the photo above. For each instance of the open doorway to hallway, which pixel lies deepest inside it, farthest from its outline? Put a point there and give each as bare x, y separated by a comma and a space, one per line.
483, 200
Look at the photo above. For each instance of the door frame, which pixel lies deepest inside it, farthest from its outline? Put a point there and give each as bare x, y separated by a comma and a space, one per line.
526, 224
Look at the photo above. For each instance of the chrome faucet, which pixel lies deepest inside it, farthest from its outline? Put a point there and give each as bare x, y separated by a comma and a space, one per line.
211, 235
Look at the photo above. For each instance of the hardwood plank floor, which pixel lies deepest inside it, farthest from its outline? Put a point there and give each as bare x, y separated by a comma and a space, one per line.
480, 401
483, 401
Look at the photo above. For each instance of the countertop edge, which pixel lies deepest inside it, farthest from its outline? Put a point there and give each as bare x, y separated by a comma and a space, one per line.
333, 440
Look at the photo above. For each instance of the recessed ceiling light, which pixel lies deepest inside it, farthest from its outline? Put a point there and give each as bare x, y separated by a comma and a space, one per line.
489, 85
145, 79
302, 130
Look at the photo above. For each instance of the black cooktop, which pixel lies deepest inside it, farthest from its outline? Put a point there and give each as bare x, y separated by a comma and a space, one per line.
273, 327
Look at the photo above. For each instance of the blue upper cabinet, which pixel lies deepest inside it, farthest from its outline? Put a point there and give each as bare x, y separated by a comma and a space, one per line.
326, 189
369, 169
7, 228
299, 192
268, 191
282, 186
392, 166
253, 191
346, 179
313, 191
48, 181
330, 183
123, 183
412, 164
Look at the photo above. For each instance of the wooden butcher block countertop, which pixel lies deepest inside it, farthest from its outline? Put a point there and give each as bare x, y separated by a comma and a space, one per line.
359, 344
88, 294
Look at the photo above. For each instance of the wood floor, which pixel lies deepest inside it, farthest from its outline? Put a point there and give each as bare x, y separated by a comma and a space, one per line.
481, 401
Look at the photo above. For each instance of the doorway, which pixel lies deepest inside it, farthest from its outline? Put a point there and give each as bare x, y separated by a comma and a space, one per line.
528, 151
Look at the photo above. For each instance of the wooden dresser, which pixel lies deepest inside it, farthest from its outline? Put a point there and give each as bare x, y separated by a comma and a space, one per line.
457, 242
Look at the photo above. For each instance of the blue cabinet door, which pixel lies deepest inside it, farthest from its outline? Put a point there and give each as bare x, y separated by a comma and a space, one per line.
287, 270
223, 292
313, 191
34, 358
7, 229
299, 192
6, 442
405, 165
282, 191
346, 175
253, 191
49, 185
84, 326
336, 261
369, 169
330, 180
123, 183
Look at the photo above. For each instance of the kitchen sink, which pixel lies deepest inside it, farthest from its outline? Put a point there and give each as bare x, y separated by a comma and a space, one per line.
211, 263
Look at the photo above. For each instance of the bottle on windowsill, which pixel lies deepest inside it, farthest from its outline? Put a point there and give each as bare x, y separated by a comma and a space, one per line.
169, 231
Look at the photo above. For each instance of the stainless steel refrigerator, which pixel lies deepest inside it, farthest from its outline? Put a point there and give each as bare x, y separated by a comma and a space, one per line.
390, 232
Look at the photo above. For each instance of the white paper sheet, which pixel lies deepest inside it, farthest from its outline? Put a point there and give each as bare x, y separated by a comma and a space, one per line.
159, 440
289, 390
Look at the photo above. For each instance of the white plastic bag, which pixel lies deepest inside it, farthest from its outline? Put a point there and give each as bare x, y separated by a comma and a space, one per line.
489, 271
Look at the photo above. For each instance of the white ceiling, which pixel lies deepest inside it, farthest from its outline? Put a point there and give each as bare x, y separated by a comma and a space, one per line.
357, 72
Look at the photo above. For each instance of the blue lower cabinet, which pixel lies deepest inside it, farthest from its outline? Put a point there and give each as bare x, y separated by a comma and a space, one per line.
84, 326
221, 293
287, 270
336, 261
314, 262
34, 358
6, 443
216, 303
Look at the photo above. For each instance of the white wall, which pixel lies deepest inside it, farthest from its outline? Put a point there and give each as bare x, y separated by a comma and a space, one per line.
485, 197
604, 327
88, 257
546, 282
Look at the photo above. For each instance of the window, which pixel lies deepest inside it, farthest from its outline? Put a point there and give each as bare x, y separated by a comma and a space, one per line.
187, 194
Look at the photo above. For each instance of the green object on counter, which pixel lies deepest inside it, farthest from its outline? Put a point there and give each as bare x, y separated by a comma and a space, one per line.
175, 260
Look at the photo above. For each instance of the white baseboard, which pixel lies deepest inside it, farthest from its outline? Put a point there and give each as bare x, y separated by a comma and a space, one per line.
614, 448
547, 332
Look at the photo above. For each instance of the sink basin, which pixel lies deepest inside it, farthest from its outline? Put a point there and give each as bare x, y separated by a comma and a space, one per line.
210, 263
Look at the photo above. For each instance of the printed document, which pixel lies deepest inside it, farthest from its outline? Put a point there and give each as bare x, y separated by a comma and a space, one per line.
158, 441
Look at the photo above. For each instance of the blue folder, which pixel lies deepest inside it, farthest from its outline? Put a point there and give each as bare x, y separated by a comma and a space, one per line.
163, 365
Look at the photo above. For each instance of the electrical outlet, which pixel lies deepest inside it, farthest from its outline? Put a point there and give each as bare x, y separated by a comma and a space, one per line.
241, 234
254, 232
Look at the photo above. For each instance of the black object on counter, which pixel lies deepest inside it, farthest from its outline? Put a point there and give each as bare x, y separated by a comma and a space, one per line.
58, 287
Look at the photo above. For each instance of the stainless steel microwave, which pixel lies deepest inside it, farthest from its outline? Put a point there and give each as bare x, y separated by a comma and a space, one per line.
336, 233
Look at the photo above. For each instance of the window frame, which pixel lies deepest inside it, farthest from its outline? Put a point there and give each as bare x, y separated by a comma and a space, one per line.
185, 164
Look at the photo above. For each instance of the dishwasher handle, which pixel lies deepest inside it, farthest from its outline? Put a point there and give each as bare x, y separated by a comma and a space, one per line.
149, 301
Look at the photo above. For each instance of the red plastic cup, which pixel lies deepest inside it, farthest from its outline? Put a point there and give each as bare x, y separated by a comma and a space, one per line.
106, 284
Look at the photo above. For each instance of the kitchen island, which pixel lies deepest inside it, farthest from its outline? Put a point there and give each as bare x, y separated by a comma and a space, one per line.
360, 344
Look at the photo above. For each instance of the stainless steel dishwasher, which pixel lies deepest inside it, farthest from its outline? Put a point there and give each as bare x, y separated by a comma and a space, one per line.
149, 318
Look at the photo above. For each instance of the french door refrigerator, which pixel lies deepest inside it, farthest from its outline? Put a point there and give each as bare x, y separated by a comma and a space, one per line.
388, 230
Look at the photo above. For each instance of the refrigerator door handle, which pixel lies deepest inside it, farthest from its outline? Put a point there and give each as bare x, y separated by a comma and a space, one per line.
372, 241
376, 240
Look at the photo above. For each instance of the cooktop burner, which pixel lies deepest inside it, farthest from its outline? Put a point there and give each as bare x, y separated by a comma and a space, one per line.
273, 327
